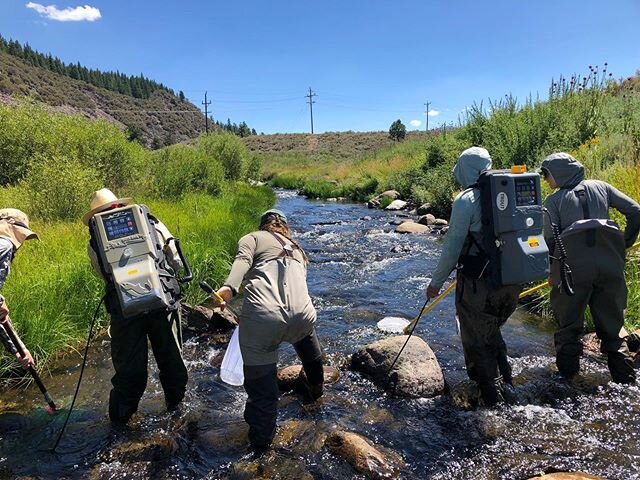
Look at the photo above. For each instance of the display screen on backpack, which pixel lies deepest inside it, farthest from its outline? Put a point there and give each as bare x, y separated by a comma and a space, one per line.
525, 192
120, 224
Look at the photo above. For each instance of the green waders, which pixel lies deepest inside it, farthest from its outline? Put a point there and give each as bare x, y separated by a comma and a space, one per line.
482, 310
596, 259
129, 353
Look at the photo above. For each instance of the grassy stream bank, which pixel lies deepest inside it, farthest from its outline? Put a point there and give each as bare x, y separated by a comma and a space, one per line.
51, 163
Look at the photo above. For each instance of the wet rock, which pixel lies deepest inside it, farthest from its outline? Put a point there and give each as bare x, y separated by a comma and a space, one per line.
225, 437
110, 471
200, 319
396, 205
591, 345
366, 218
363, 456
440, 222
374, 231
400, 249
633, 341
567, 476
416, 373
293, 378
427, 219
411, 227
12, 422
465, 395
424, 209
373, 203
269, 466
155, 448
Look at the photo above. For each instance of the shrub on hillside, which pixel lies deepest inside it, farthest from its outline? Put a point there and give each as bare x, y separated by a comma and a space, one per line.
59, 188
29, 131
229, 150
181, 169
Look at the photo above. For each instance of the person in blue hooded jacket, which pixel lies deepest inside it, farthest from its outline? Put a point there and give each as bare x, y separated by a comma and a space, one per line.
595, 250
481, 308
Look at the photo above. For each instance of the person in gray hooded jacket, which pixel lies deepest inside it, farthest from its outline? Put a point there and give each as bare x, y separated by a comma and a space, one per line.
481, 309
595, 254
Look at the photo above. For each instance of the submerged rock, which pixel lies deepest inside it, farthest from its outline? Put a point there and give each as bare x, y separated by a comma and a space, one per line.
411, 227
567, 476
416, 374
424, 209
155, 448
363, 456
293, 378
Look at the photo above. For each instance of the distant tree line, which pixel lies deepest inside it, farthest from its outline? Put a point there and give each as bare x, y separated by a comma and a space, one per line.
133, 86
241, 130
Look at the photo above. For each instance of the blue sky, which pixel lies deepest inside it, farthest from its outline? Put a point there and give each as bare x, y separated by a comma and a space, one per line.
369, 62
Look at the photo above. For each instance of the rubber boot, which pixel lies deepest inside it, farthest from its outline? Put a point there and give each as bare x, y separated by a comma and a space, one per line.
621, 367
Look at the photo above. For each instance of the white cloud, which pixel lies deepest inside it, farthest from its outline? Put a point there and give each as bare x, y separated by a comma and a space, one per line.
415, 123
433, 113
77, 14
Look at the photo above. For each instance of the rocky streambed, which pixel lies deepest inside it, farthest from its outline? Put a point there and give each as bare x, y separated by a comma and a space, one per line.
423, 423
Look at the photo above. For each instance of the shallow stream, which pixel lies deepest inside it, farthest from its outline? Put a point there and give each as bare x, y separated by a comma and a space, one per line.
356, 278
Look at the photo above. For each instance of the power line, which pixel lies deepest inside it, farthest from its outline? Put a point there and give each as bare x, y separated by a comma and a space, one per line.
311, 102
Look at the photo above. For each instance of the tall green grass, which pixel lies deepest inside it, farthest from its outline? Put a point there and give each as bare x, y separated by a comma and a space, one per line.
49, 166
52, 290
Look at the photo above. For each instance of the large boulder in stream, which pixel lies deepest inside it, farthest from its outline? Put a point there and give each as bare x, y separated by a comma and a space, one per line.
416, 374
411, 227
397, 205
364, 457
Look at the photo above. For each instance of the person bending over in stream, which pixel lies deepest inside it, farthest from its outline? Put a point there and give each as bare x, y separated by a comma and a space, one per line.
481, 308
276, 308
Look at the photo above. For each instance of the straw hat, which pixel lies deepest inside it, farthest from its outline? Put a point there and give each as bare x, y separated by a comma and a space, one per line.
14, 225
103, 200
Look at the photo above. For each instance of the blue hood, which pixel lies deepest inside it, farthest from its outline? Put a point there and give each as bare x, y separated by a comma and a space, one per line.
470, 164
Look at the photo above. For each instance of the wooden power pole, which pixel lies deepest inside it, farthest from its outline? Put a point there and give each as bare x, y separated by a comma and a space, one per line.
206, 113
426, 128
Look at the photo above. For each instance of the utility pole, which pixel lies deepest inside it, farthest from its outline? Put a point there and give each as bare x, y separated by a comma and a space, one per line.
206, 113
311, 102
426, 128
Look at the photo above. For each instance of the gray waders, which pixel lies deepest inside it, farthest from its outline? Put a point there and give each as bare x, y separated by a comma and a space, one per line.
596, 258
277, 308
482, 310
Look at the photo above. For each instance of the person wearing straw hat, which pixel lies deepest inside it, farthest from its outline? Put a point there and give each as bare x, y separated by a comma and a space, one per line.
14, 231
595, 253
129, 350
276, 308
481, 308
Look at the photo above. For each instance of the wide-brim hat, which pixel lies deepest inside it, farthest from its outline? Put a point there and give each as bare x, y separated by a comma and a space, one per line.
102, 200
14, 224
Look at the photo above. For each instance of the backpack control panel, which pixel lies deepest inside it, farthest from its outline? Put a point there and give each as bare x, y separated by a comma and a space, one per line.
512, 225
131, 254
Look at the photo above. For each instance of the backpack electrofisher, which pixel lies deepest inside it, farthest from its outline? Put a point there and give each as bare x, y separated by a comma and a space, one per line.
512, 227
131, 254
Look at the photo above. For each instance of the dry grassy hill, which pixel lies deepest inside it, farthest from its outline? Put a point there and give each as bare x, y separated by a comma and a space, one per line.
160, 120
336, 145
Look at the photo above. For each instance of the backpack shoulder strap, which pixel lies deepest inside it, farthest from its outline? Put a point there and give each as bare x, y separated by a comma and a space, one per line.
287, 249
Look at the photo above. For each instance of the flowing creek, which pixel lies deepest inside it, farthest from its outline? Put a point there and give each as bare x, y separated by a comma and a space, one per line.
355, 279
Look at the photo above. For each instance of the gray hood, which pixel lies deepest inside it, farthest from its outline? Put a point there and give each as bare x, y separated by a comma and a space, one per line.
470, 164
565, 170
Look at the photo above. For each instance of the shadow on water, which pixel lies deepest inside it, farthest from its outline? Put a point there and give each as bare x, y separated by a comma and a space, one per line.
356, 279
